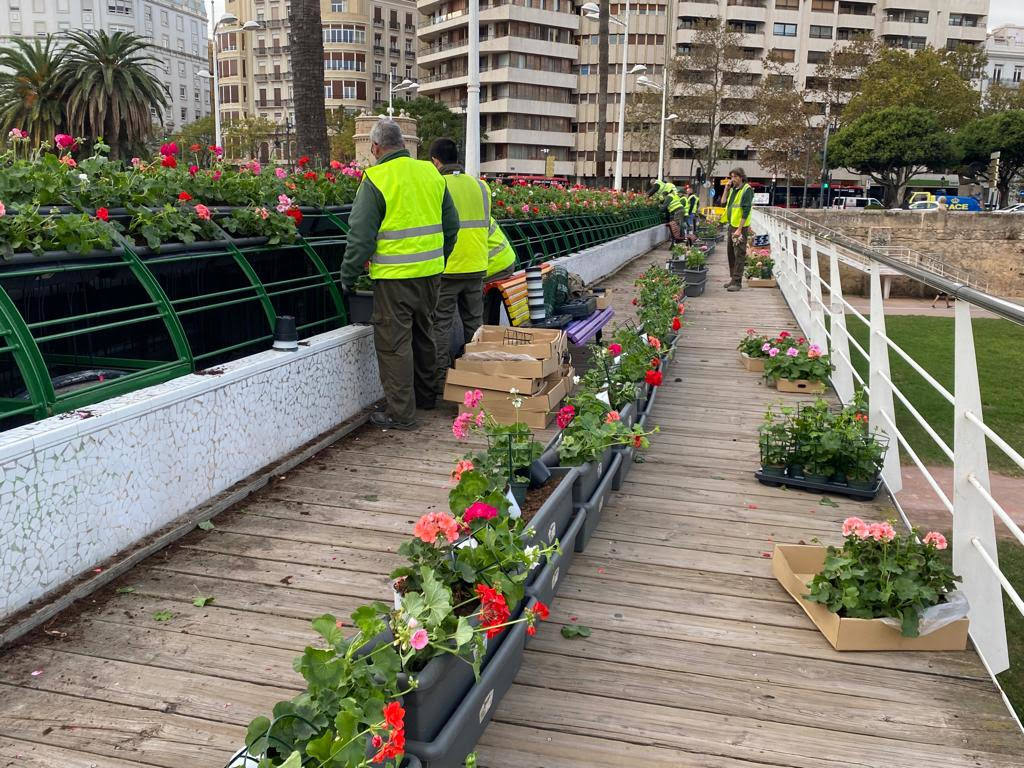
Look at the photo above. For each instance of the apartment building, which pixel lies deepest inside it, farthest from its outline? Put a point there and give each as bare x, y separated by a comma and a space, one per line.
799, 32
177, 28
1005, 49
528, 59
366, 42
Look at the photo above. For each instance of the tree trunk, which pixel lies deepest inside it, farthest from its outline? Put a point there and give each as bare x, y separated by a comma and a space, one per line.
602, 95
306, 44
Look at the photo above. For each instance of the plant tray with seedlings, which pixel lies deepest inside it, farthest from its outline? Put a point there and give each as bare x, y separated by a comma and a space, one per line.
759, 282
826, 487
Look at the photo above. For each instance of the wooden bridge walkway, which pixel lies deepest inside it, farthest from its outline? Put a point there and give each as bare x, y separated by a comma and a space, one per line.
698, 659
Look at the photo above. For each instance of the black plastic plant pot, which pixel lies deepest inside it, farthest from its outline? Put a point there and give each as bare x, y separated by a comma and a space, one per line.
692, 291
360, 306
594, 507
854, 491
552, 519
650, 400
464, 726
627, 452
695, 276
547, 583
589, 473
628, 414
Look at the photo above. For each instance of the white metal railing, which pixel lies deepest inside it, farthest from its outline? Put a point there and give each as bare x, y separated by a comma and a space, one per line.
797, 245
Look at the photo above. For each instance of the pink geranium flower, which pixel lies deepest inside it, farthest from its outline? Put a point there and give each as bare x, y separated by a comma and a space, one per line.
615, 350
851, 525
612, 417
434, 524
814, 351
280, 173
936, 539
881, 532
463, 465
419, 639
479, 511
792, 352
203, 212
472, 398
773, 351
460, 427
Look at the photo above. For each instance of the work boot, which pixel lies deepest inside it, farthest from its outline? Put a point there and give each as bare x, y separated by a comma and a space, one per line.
426, 405
733, 287
382, 420
729, 284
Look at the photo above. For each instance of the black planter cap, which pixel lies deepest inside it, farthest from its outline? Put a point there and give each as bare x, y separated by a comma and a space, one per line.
285, 334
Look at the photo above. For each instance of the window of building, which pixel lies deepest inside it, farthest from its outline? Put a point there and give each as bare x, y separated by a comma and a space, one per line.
788, 4
181, 92
345, 60
196, 95
784, 30
823, 5
345, 33
408, 71
164, 18
816, 57
820, 32
147, 13
339, 6
782, 55
179, 22
1017, 72
181, 69
184, 114
120, 7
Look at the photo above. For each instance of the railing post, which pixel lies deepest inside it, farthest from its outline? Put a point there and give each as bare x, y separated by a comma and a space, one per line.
972, 516
880, 401
816, 330
842, 377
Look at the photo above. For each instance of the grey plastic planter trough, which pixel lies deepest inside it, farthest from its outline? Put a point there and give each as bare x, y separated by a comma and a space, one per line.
595, 505
466, 724
547, 583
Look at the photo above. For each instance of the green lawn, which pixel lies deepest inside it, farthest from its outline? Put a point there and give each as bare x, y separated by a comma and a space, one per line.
999, 345
1011, 563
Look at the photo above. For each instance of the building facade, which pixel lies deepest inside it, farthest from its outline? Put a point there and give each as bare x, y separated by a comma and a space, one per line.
1005, 49
366, 43
177, 28
528, 58
799, 32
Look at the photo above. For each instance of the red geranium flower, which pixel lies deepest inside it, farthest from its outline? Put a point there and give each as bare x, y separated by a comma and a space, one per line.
394, 715
296, 215
653, 378
184, 197
655, 362
785, 335
303, 161
309, 175
169, 162
615, 350
103, 214
676, 325
494, 610
195, 148
634, 302
565, 416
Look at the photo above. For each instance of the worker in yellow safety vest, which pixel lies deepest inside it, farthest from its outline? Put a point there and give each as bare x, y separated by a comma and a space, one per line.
404, 224
692, 203
501, 262
462, 284
739, 201
675, 208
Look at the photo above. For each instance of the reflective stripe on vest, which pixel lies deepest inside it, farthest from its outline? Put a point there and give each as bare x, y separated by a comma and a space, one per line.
674, 203
410, 242
472, 199
733, 214
500, 255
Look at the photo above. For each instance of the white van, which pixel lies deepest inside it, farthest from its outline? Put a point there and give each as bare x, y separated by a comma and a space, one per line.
845, 203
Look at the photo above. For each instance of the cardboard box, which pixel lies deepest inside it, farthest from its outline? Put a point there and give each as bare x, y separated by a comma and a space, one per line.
539, 343
551, 393
532, 419
795, 565
760, 282
604, 297
459, 376
533, 368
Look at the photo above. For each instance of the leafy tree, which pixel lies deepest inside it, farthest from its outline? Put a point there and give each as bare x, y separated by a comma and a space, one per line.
30, 88
999, 97
893, 145
927, 78
306, 43
341, 127
201, 132
433, 121
244, 136
111, 89
1001, 132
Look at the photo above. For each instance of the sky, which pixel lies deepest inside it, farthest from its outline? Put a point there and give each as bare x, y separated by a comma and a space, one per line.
1006, 12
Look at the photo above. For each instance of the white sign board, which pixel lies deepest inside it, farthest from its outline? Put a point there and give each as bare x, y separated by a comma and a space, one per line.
761, 198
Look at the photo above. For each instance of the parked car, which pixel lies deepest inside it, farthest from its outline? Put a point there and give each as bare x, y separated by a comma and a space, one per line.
1018, 208
924, 205
867, 203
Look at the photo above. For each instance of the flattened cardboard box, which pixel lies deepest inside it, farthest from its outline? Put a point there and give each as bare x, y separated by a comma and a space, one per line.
499, 403
539, 343
794, 566
473, 379
523, 369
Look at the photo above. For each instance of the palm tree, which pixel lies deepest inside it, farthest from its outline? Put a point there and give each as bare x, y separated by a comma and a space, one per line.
30, 88
111, 88
306, 42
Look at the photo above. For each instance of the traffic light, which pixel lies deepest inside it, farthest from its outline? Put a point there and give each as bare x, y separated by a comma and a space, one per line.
826, 180
700, 175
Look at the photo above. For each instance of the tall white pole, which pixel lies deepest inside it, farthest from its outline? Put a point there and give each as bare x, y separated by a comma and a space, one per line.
473, 92
216, 80
391, 93
622, 101
661, 145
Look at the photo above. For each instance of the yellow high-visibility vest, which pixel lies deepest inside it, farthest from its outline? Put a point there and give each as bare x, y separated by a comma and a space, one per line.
410, 242
733, 214
500, 255
472, 199
674, 203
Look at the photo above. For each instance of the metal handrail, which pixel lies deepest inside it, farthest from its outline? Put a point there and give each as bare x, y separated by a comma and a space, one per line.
797, 242
959, 289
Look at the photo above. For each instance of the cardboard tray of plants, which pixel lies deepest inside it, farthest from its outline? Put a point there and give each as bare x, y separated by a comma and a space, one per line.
794, 566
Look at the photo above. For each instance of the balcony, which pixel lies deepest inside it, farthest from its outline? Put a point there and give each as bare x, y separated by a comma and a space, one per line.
378, 23
394, 25
380, 77
410, 56
394, 53
410, 29
378, 50
272, 103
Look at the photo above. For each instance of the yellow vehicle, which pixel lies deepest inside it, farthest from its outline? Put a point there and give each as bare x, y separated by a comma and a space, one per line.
928, 201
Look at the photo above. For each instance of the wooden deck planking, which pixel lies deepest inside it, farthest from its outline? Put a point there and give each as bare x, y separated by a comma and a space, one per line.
698, 658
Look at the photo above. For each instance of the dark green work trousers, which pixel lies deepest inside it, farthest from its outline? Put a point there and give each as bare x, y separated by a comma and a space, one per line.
403, 312
458, 294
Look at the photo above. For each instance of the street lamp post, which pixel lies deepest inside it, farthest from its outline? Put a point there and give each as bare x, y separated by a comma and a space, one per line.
593, 11
473, 93
665, 119
405, 85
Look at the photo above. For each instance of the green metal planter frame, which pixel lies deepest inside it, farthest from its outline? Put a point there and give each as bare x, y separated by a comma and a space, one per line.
321, 246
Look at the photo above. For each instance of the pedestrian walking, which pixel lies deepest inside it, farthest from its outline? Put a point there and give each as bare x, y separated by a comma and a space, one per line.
692, 204
404, 223
739, 201
462, 283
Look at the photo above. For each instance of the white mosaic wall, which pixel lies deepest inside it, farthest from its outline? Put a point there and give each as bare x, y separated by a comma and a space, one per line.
74, 490
598, 262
